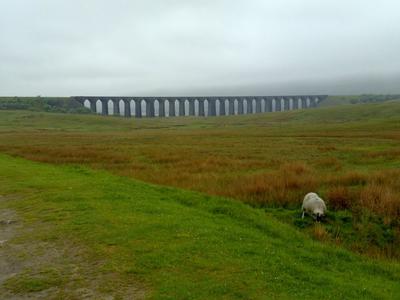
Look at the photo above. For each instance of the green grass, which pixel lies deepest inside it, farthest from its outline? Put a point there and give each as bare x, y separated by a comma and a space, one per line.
29, 281
185, 245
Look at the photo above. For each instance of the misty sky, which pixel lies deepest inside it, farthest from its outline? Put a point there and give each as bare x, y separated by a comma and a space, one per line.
182, 47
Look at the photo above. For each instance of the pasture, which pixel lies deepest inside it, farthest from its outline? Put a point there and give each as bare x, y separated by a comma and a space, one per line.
229, 178
84, 232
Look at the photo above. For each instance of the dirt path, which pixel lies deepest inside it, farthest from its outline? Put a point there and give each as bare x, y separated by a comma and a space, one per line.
33, 268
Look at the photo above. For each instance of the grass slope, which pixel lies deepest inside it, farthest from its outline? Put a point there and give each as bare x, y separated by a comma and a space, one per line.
185, 245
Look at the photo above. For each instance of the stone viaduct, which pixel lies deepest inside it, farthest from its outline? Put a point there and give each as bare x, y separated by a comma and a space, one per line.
196, 106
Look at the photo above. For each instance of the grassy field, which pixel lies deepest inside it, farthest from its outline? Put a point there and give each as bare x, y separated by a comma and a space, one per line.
126, 237
167, 243
348, 154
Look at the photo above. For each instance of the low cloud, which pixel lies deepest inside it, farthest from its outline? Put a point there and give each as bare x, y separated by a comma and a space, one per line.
176, 47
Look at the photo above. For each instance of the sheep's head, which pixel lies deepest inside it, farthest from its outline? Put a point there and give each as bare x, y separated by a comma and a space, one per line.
318, 214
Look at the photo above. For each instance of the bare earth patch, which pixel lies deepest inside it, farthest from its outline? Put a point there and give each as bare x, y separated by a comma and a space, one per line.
35, 268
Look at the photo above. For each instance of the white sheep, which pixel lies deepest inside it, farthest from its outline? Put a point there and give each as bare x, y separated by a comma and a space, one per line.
314, 206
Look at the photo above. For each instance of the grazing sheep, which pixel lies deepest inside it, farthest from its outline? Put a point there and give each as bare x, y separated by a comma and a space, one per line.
314, 206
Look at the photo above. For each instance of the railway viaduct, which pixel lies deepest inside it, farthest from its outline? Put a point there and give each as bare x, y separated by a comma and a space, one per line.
196, 106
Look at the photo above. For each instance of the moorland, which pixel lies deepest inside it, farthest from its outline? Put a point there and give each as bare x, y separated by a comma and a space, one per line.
210, 207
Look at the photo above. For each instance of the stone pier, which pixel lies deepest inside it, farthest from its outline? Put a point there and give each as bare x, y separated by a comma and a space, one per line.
196, 106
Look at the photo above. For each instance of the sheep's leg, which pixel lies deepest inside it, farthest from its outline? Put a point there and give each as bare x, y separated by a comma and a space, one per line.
302, 216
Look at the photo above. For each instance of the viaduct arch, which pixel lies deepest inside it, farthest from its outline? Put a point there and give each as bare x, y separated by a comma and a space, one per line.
196, 106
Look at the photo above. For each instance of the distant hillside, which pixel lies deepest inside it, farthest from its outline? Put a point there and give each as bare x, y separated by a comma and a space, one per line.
48, 104
357, 99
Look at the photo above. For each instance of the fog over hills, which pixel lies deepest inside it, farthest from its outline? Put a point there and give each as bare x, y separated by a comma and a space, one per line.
178, 47
385, 84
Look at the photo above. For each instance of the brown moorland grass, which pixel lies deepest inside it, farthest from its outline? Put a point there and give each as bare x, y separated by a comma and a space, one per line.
319, 232
282, 187
348, 155
340, 197
381, 199
259, 171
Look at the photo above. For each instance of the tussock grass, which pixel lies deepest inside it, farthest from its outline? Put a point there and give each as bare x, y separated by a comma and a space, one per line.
319, 232
382, 200
340, 197
283, 187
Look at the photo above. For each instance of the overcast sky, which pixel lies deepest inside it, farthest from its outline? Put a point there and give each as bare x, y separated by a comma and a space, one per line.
203, 47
